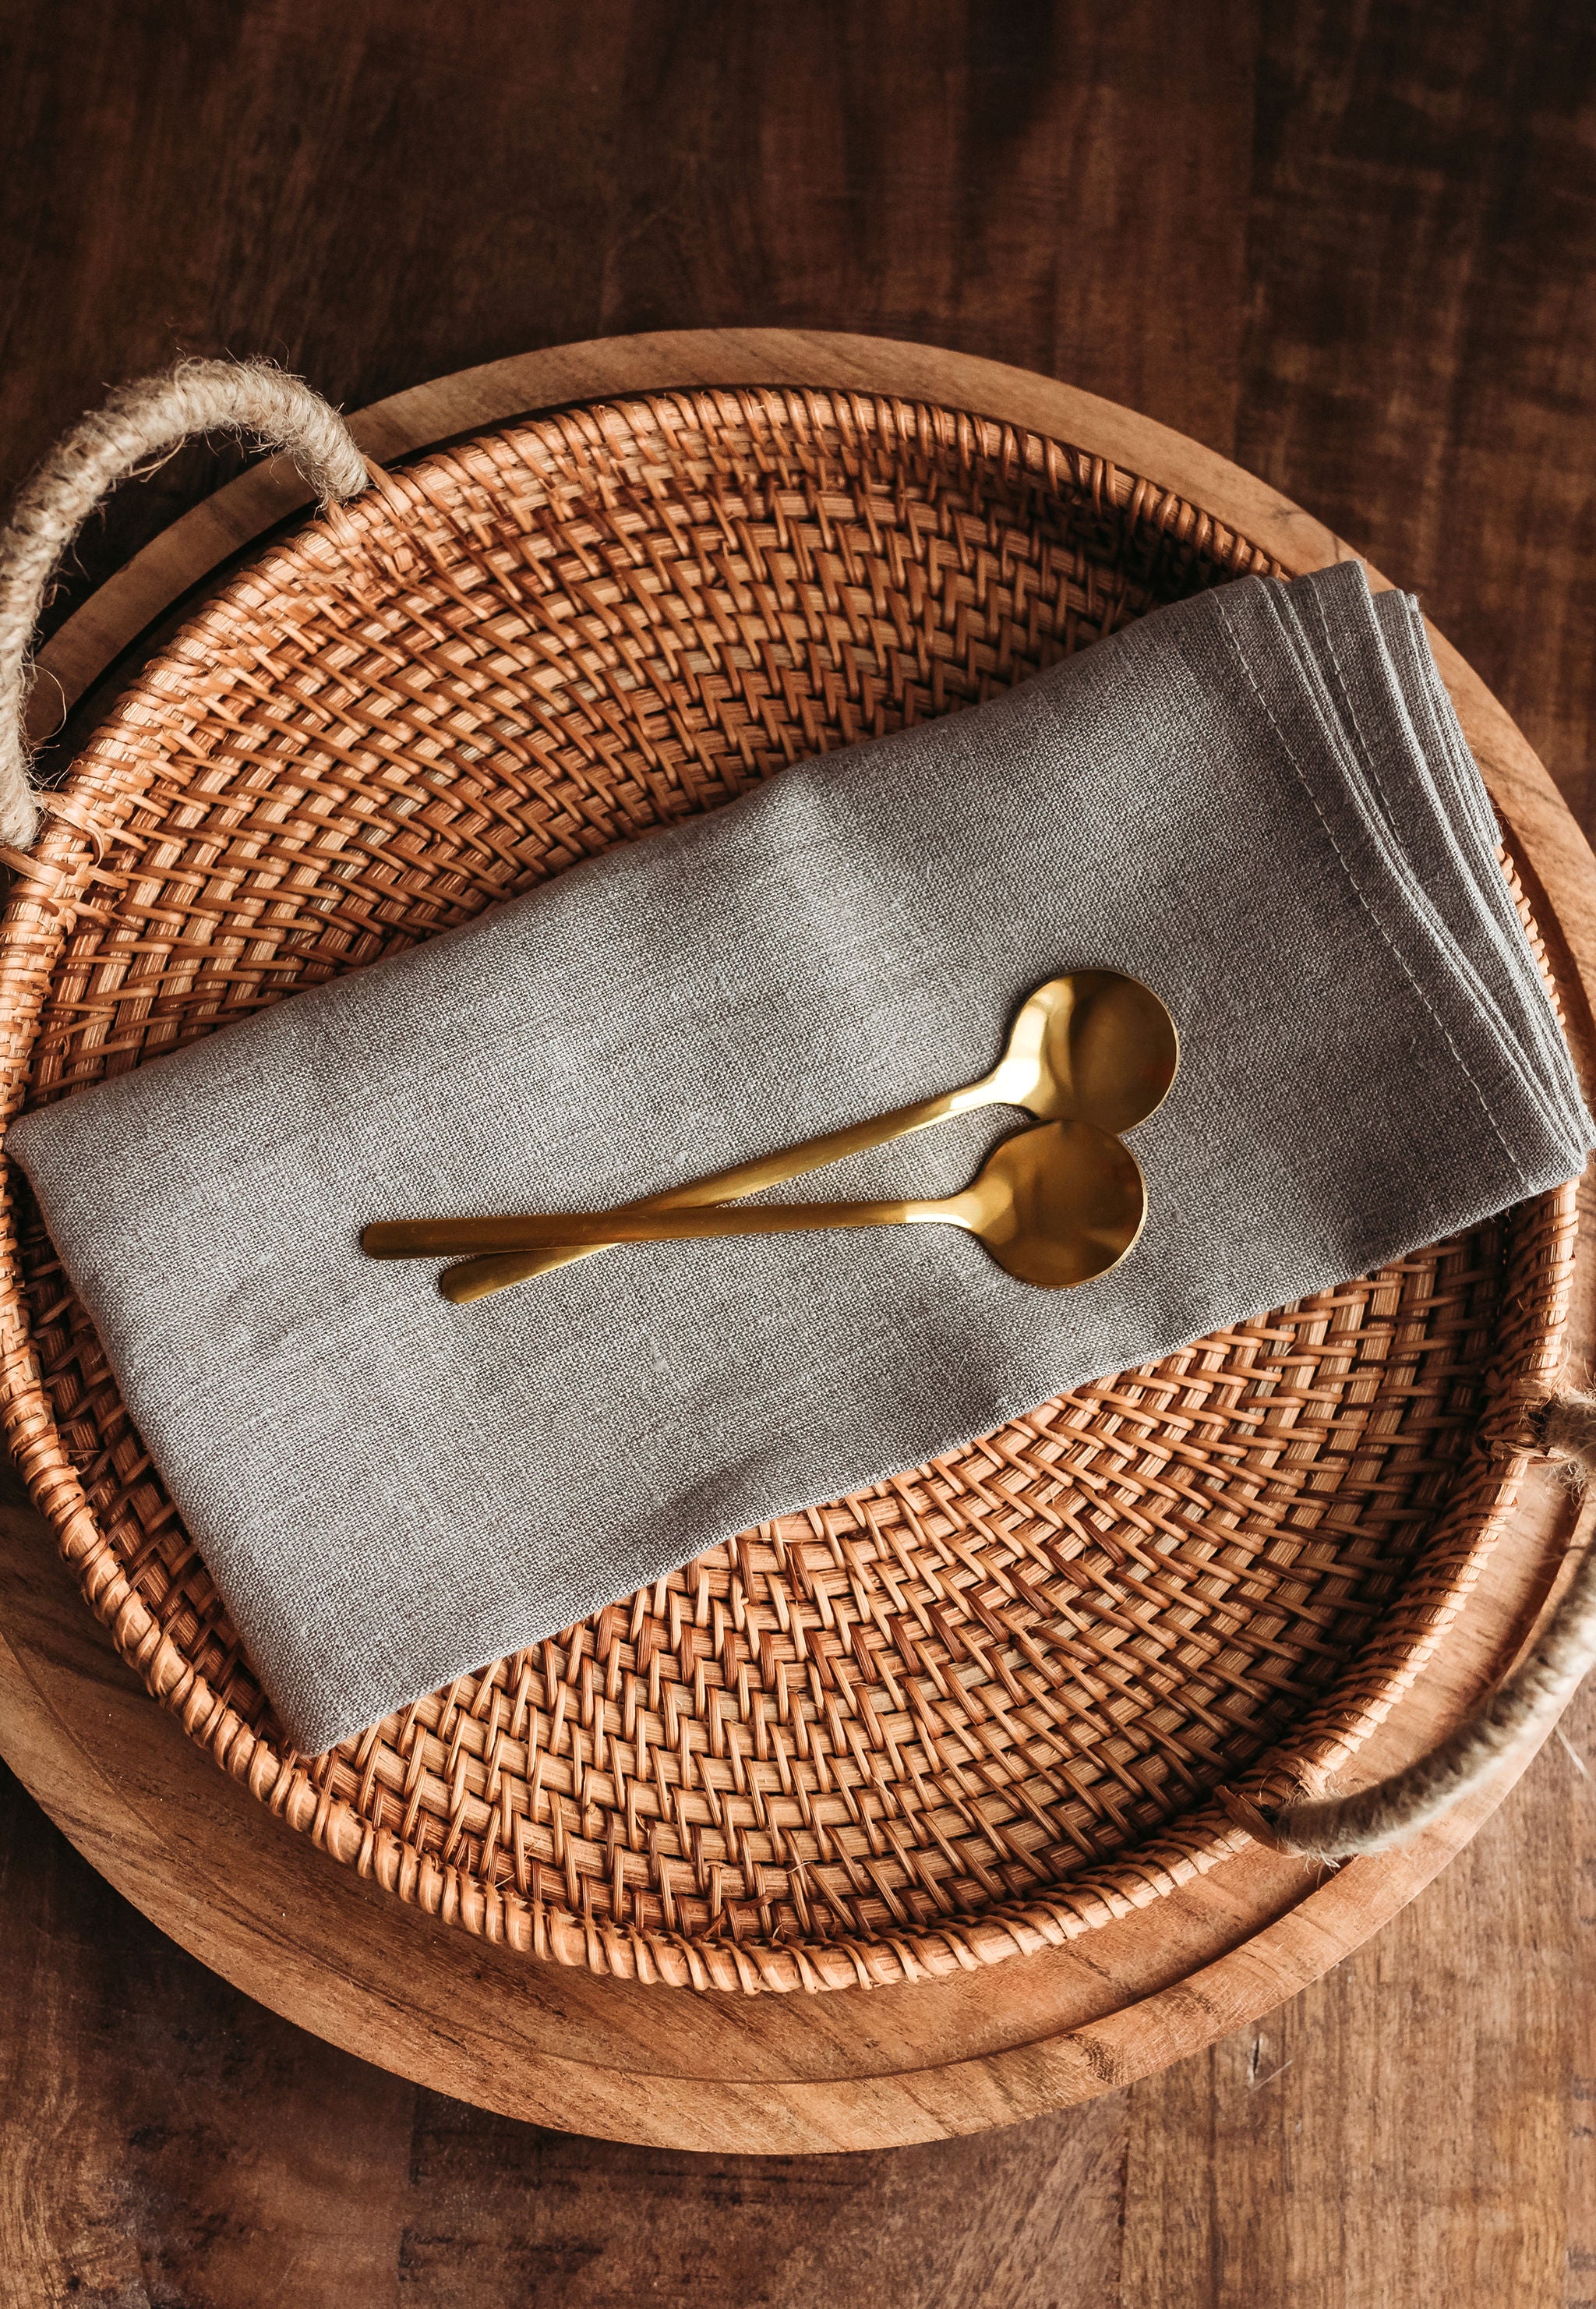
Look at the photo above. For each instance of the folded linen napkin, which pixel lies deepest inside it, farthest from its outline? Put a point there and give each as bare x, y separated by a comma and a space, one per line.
1258, 802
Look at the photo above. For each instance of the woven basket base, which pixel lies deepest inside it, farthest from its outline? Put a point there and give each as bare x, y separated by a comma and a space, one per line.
979, 1708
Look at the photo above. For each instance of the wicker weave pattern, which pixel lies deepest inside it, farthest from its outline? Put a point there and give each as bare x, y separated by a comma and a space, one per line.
979, 1708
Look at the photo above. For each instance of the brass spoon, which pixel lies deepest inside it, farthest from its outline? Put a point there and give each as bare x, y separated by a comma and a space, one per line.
1092, 1046
1055, 1206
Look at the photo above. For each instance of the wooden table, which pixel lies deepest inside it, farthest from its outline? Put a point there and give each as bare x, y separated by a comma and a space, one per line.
1423, 2138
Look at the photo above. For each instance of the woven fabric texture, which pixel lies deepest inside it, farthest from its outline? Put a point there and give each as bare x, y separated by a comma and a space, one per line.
1258, 802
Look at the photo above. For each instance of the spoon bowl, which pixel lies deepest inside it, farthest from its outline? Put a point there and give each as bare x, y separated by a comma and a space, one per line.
1093, 1046
1057, 1205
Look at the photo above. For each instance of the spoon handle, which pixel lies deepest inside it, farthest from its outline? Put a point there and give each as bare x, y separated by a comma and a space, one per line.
424, 1238
475, 1278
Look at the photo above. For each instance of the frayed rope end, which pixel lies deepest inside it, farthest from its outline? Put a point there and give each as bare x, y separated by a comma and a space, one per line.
1564, 1428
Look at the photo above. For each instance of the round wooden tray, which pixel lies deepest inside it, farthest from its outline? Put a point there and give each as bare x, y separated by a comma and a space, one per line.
605, 2055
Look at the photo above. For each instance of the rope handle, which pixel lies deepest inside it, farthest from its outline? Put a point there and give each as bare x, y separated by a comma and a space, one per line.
139, 422
1520, 1711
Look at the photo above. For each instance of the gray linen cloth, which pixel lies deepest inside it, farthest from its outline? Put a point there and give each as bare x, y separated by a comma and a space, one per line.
1258, 802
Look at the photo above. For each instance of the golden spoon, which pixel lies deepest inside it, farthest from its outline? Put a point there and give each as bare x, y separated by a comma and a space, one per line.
1092, 1046
1055, 1206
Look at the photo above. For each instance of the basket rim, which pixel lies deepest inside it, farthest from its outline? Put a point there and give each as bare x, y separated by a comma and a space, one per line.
34, 913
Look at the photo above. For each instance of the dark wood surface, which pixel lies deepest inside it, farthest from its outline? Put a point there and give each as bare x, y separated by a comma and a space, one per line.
1351, 247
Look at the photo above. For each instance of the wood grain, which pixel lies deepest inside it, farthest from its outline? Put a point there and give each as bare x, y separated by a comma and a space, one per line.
286, 2174
1327, 229
1422, 337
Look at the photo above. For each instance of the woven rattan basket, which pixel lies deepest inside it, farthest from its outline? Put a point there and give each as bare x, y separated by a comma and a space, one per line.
983, 1707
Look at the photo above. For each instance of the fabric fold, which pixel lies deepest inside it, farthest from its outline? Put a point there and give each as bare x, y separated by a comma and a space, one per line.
1258, 802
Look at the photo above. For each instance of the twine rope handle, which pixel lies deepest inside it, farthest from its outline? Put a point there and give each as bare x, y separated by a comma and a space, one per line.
1516, 1715
141, 422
